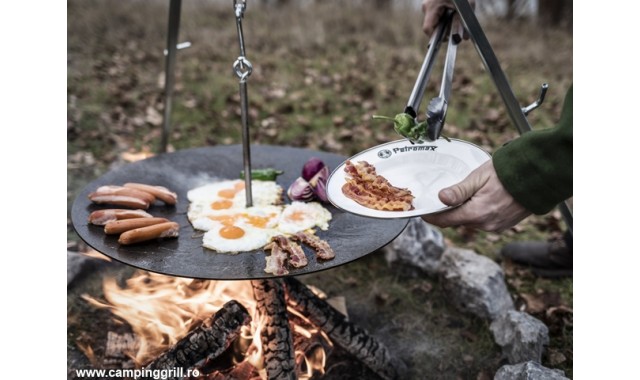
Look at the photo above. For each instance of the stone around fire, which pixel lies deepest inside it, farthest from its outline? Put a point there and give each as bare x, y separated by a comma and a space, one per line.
475, 283
420, 246
521, 336
528, 371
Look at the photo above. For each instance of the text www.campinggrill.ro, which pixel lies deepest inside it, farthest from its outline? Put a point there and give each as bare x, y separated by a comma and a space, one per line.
156, 374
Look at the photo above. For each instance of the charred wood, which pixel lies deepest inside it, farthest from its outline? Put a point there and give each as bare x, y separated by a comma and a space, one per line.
310, 343
347, 335
207, 341
277, 341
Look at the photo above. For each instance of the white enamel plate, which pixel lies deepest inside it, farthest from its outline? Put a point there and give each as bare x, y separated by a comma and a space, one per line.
425, 169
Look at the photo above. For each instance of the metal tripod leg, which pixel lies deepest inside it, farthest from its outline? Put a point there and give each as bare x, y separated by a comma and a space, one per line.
492, 65
169, 73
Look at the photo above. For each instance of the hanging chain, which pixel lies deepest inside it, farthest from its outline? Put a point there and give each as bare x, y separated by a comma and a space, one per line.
242, 67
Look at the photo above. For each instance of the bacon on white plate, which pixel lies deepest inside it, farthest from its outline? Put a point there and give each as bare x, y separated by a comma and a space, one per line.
371, 190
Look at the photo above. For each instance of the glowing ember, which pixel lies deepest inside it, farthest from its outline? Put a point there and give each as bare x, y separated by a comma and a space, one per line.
162, 309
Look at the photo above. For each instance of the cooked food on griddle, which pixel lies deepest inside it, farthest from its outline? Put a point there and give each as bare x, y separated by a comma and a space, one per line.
133, 195
296, 256
116, 227
286, 252
321, 247
219, 209
119, 200
277, 261
133, 226
160, 192
102, 217
374, 191
153, 232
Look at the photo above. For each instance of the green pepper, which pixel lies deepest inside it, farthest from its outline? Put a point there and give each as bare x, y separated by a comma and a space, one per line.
268, 174
406, 126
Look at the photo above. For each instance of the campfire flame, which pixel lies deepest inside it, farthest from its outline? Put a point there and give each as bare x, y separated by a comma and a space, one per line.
162, 309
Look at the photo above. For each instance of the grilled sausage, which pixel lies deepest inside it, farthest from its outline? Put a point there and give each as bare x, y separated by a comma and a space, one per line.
160, 192
157, 231
115, 227
102, 217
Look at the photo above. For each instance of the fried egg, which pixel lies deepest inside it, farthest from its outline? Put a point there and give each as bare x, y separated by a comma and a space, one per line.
258, 216
219, 209
300, 216
237, 237
221, 197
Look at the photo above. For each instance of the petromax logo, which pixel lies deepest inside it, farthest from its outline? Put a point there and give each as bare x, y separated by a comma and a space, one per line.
386, 153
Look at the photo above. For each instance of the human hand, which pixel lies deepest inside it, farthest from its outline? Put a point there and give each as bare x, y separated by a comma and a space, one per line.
433, 11
484, 203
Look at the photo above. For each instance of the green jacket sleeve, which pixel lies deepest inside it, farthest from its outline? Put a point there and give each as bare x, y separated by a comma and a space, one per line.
537, 168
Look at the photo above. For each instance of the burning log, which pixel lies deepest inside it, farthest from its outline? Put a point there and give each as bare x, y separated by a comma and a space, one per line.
277, 341
350, 337
206, 341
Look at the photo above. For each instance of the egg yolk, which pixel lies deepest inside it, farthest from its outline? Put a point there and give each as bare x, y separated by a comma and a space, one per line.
231, 193
225, 220
231, 232
227, 193
222, 204
296, 216
258, 221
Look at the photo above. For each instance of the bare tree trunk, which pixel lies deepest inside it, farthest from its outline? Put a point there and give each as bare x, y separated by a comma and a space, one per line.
382, 4
511, 9
555, 13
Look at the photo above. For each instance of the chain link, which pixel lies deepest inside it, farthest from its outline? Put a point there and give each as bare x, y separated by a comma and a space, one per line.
242, 66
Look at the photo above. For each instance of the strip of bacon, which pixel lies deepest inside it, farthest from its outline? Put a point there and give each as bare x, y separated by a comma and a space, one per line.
276, 261
374, 191
297, 258
368, 199
321, 247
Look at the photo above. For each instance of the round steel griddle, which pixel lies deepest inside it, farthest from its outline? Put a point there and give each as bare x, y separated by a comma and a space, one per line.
351, 236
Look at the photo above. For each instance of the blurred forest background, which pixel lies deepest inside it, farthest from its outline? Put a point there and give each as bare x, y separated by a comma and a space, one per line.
321, 70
